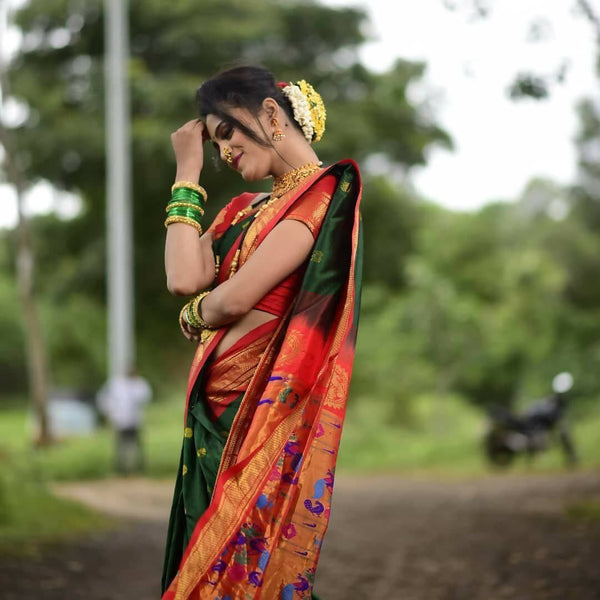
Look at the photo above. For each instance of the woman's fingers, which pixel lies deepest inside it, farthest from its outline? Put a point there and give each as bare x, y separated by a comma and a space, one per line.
187, 144
191, 333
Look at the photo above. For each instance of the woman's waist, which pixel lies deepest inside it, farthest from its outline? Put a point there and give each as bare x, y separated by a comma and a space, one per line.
243, 332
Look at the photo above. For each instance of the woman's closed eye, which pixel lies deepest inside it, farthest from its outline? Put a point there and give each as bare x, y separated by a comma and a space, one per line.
224, 131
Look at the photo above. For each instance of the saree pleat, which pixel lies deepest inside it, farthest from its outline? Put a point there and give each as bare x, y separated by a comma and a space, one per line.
263, 508
216, 399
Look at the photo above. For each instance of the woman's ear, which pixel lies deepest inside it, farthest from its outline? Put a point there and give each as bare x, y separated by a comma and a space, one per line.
271, 108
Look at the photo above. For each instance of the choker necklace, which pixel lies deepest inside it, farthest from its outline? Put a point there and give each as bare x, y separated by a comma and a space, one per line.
281, 185
288, 181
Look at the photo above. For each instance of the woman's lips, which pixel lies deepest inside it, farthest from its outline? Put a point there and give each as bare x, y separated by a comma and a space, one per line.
236, 160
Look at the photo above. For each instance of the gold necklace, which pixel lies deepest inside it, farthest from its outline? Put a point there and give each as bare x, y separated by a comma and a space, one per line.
288, 181
281, 185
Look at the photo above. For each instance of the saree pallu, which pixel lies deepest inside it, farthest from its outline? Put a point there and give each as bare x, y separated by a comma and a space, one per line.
253, 492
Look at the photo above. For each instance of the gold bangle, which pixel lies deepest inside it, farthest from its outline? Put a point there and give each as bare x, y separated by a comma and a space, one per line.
184, 205
186, 221
191, 186
195, 308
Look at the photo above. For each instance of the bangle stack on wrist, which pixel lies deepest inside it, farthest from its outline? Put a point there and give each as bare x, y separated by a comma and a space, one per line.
186, 205
191, 314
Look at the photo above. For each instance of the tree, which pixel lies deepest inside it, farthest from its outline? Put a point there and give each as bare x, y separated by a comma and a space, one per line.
58, 74
25, 260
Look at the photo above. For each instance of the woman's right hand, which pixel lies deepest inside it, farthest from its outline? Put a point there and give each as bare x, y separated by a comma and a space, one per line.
187, 144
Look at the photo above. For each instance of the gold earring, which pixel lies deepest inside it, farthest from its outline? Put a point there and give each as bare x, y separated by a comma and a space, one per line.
278, 134
228, 155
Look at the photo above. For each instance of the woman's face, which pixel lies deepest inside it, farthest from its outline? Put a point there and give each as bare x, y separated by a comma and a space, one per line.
251, 160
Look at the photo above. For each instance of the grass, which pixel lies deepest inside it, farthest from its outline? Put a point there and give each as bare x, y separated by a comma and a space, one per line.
91, 456
588, 511
445, 437
31, 517
444, 440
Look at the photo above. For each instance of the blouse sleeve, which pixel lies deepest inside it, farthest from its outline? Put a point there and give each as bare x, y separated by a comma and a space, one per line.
224, 217
311, 207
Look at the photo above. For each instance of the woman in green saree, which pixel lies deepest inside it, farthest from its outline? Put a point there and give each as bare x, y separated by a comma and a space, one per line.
268, 384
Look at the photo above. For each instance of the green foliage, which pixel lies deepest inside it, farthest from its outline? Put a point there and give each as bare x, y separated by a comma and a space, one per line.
391, 219
12, 351
478, 307
444, 436
92, 457
174, 47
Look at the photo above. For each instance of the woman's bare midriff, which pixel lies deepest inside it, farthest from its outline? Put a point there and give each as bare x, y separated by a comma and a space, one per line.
239, 329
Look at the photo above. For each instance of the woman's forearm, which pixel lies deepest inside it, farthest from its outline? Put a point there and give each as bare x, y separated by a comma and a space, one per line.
222, 305
189, 262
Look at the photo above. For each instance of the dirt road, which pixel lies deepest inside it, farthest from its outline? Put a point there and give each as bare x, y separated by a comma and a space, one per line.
390, 538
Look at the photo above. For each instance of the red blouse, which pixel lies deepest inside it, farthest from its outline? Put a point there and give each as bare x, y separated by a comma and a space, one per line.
308, 209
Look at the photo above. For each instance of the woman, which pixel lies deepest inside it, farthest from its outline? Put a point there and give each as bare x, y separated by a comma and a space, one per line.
269, 381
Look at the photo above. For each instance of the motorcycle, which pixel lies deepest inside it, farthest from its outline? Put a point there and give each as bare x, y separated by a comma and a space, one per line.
531, 432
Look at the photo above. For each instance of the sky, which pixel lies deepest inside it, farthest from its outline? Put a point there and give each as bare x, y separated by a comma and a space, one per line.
499, 144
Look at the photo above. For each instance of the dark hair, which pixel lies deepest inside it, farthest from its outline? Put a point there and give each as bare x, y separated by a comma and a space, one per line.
241, 87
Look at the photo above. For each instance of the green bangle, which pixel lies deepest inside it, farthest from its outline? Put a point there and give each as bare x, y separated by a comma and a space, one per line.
190, 185
184, 211
187, 195
189, 312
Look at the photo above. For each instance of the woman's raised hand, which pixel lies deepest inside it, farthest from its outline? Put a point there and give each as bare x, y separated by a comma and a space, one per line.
187, 144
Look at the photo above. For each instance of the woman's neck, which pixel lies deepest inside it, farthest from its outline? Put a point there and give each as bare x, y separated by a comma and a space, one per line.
294, 160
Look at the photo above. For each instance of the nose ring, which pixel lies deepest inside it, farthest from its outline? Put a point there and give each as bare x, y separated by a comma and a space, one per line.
228, 155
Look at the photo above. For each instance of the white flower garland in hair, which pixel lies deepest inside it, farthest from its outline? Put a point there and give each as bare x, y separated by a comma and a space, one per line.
301, 110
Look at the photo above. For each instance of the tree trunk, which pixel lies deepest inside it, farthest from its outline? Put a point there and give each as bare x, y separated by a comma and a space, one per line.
35, 350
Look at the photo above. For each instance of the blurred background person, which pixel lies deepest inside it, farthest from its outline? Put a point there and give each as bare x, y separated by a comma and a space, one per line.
122, 400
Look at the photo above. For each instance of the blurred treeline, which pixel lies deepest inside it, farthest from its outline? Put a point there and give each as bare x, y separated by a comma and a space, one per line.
488, 305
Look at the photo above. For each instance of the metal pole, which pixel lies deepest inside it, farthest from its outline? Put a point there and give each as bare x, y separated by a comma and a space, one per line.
121, 348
